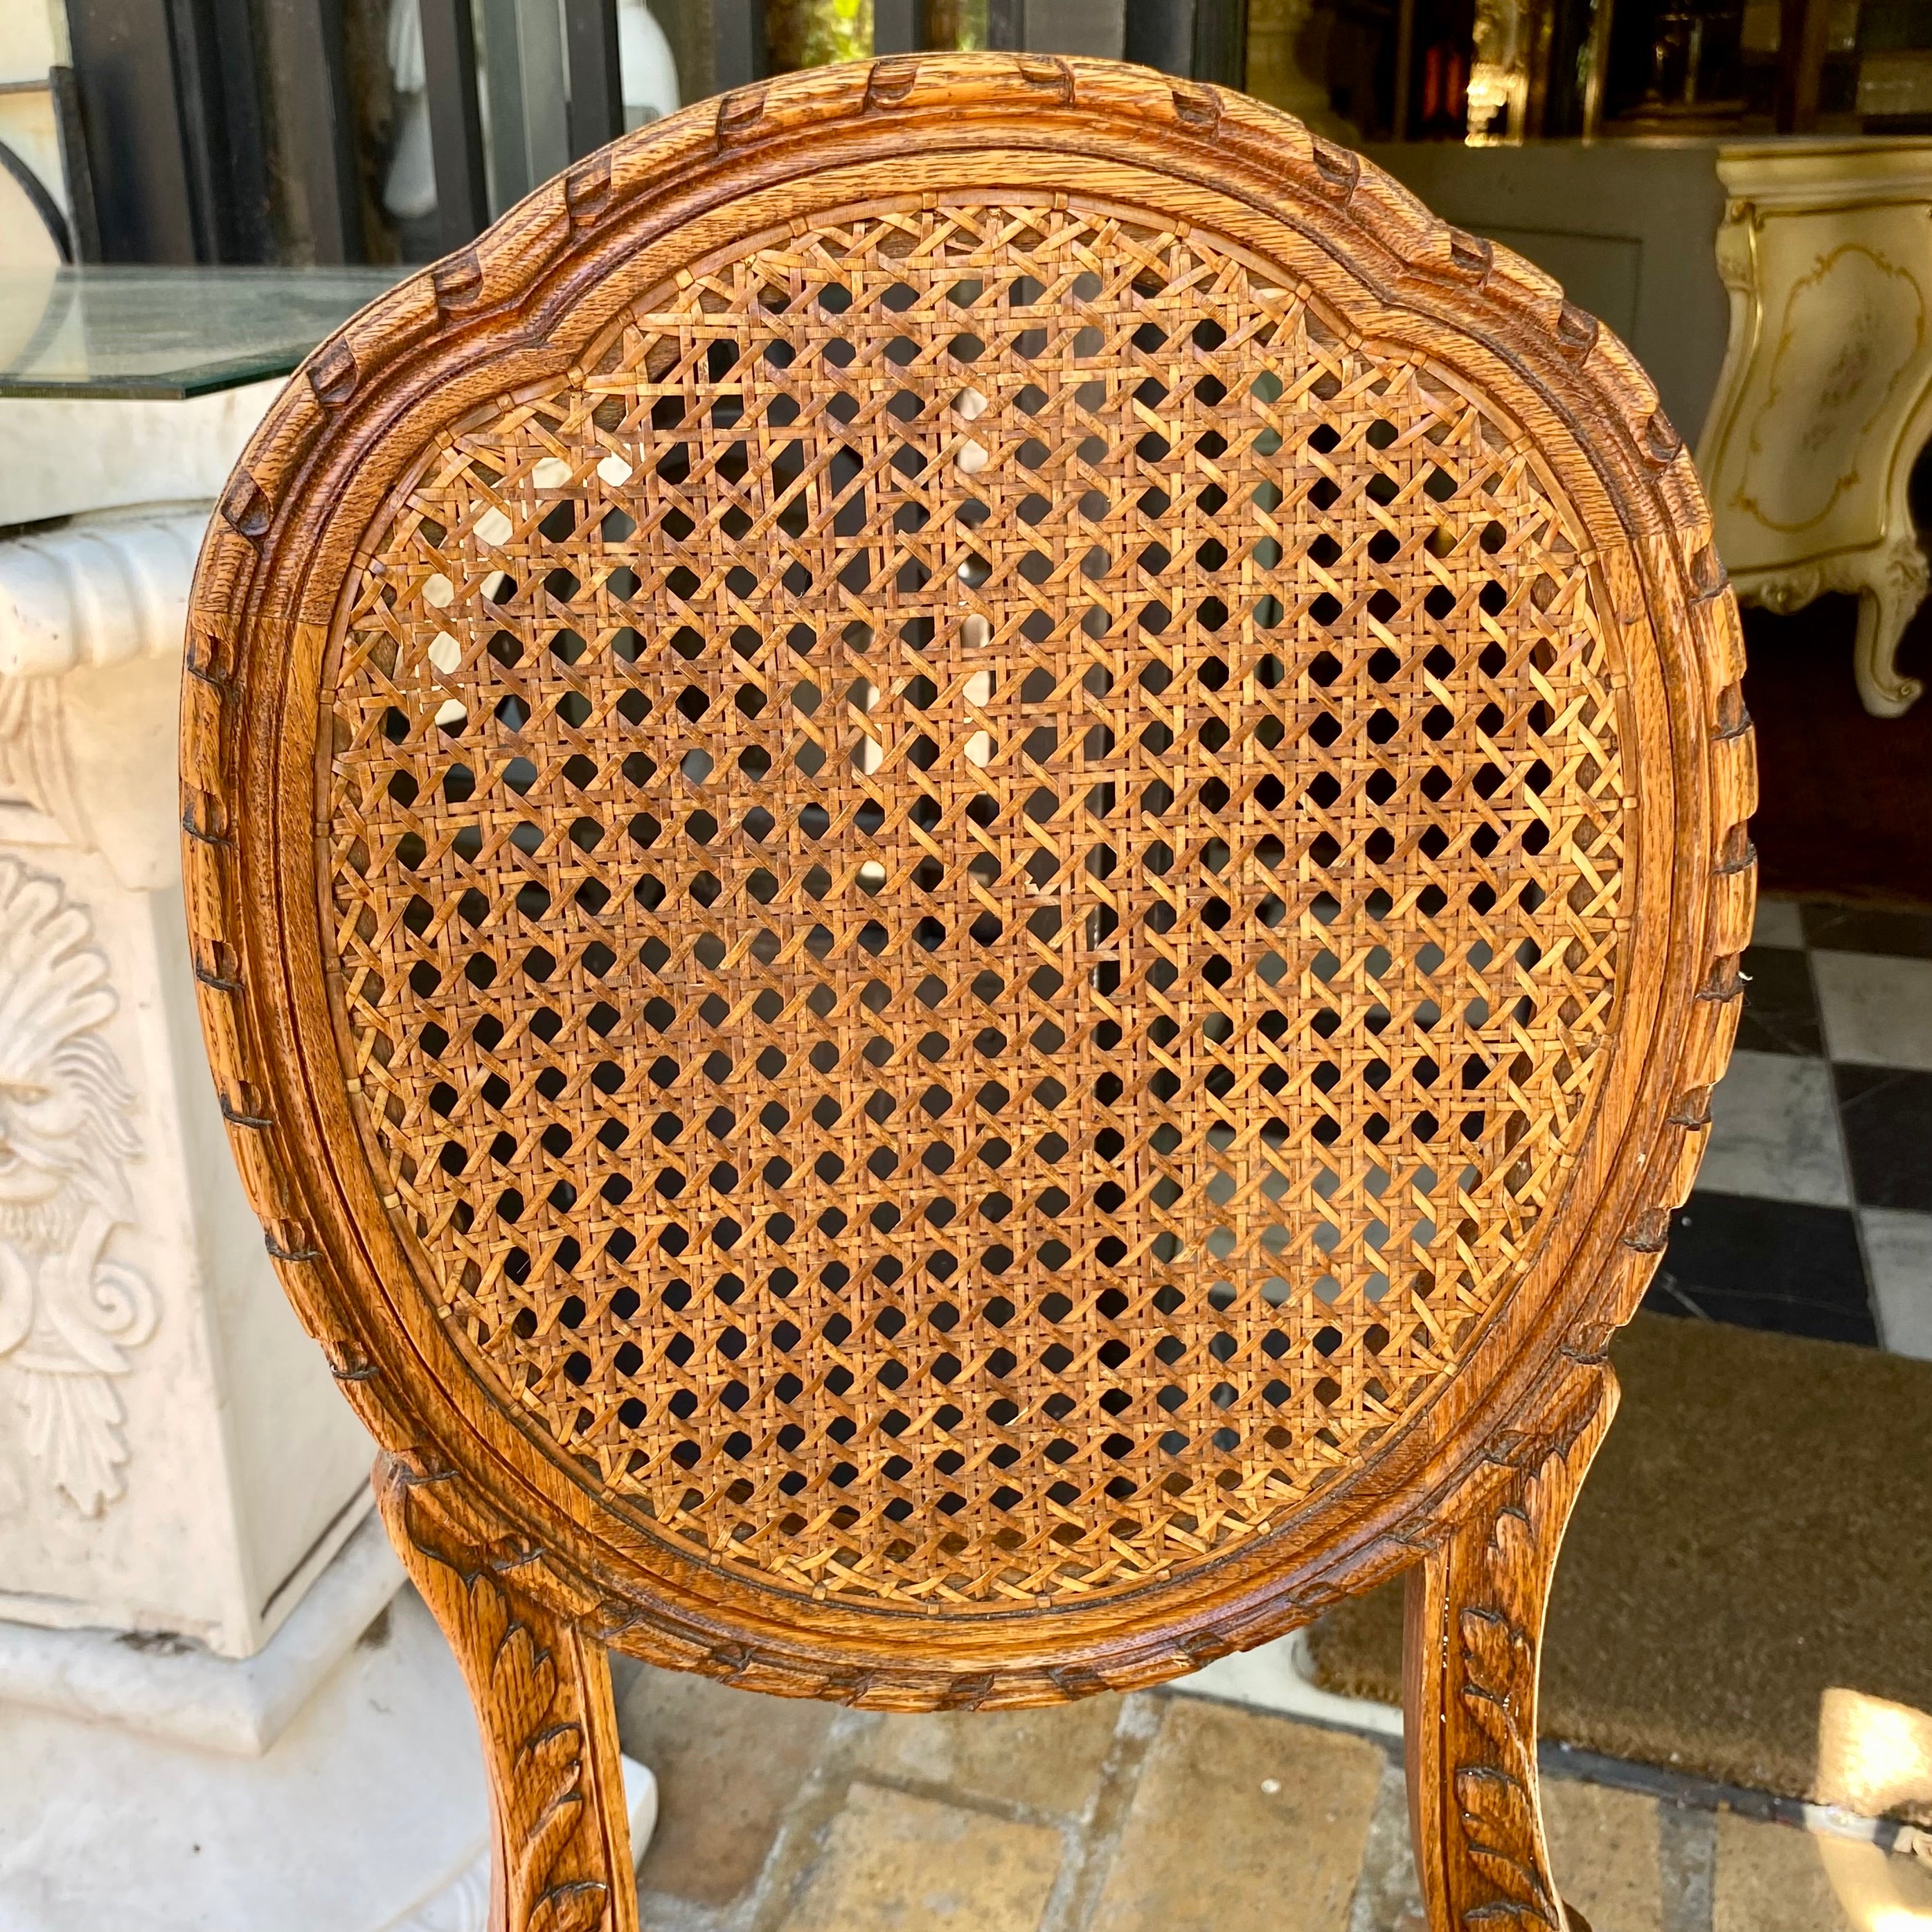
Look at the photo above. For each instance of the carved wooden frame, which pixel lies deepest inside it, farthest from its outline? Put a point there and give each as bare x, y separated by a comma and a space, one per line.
530, 1574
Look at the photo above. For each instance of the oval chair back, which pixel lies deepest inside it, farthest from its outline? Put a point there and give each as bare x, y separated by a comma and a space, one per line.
967, 849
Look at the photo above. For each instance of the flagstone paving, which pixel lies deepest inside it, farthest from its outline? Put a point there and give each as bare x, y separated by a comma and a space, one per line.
1153, 1812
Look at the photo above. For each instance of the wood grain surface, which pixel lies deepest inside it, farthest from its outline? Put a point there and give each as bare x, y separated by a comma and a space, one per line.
967, 850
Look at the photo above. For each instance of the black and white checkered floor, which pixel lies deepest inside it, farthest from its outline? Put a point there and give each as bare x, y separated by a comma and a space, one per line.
1812, 1212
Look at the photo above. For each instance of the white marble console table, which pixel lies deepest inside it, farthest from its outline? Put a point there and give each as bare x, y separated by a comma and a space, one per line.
1826, 397
216, 1709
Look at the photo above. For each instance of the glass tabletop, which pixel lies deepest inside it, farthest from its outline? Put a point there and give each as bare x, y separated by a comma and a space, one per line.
168, 333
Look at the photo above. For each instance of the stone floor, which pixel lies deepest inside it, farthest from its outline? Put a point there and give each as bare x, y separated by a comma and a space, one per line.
1153, 1812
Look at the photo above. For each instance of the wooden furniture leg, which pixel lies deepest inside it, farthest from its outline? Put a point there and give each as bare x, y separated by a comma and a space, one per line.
1472, 1643
559, 1836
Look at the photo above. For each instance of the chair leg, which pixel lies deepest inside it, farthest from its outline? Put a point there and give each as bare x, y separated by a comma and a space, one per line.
1473, 1637
560, 1835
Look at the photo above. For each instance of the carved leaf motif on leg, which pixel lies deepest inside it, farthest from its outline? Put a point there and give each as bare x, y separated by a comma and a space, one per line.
548, 1760
1496, 1799
1477, 1616
541, 1691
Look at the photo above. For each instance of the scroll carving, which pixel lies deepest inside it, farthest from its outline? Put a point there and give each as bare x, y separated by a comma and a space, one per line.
68, 1315
34, 766
1889, 582
542, 1686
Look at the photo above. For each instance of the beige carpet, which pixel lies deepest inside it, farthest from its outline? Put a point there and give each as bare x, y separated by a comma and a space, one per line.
1757, 1530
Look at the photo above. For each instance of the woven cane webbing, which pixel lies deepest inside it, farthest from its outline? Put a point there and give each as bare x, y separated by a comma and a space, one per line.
977, 896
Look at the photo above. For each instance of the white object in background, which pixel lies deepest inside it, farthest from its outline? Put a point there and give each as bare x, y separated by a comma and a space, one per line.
1826, 397
366, 1811
648, 77
61, 456
1280, 1676
409, 189
95, 593
196, 1734
70, 1318
647, 71
173, 1458
182, 1694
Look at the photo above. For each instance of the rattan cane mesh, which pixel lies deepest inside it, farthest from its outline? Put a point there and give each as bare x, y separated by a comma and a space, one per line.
975, 895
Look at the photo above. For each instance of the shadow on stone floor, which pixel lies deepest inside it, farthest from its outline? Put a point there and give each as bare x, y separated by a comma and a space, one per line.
1151, 1812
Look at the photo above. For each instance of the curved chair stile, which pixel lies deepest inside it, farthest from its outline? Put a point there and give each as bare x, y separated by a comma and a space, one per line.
967, 851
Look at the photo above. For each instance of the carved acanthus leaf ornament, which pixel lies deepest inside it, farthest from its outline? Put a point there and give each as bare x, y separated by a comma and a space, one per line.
68, 1314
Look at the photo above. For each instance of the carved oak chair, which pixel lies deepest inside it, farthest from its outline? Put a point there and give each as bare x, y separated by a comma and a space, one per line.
966, 850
